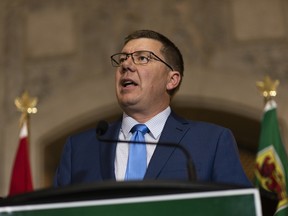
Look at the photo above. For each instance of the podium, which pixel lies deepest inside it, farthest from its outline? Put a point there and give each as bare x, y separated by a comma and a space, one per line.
136, 198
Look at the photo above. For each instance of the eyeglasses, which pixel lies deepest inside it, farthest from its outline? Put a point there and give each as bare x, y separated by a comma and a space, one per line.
141, 57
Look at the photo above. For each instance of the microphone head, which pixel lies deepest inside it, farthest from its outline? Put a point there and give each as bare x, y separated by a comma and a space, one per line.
102, 128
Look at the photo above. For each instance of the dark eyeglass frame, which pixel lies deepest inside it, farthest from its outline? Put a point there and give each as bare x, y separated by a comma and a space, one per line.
116, 63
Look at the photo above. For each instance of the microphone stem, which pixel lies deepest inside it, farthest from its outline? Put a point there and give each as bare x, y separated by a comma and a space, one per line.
190, 165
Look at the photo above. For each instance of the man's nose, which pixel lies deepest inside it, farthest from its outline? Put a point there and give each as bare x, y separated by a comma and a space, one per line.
128, 66
128, 61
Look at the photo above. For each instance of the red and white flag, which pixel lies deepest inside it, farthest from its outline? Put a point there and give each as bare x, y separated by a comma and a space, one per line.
21, 180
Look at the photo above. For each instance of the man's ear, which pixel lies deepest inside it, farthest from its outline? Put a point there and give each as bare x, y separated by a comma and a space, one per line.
174, 79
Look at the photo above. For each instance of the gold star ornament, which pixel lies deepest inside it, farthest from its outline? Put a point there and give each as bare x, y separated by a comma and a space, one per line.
26, 104
268, 87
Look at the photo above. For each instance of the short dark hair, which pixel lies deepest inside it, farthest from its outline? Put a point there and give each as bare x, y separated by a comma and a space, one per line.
169, 50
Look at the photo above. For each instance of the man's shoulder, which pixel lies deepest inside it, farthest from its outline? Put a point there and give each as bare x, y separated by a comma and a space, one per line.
204, 132
197, 124
92, 132
86, 134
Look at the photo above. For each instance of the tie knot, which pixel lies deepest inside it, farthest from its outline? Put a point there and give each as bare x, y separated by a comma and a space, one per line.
141, 128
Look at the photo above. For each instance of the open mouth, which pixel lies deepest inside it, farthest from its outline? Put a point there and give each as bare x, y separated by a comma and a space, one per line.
126, 83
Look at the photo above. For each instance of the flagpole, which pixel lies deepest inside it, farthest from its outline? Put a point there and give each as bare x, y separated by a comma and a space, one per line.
21, 178
271, 170
28, 130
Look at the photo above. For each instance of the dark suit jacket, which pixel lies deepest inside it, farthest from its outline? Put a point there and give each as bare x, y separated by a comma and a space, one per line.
213, 150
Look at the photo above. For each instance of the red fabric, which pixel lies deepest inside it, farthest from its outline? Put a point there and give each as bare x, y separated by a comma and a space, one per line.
21, 180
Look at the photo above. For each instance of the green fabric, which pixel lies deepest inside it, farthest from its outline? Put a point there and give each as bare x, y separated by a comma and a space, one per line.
272, 163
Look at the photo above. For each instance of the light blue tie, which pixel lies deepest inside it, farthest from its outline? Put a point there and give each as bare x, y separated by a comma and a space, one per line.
136, 166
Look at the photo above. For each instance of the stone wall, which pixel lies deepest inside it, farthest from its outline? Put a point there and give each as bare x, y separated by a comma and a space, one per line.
59, 51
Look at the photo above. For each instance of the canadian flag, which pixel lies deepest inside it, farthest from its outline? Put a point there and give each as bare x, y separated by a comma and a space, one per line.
21, 180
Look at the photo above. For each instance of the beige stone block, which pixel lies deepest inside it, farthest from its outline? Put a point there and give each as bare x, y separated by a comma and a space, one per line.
258, 19
50, 32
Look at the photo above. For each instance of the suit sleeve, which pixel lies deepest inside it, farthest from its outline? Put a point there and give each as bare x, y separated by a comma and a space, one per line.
227, 166
63, 172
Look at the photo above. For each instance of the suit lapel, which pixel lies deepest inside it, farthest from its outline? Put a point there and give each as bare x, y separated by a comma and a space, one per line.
174, 130
108, 151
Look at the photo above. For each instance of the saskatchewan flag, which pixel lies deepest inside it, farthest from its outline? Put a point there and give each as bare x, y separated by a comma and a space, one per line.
272, 163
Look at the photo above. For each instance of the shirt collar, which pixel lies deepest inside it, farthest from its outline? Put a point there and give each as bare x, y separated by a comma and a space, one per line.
155, 125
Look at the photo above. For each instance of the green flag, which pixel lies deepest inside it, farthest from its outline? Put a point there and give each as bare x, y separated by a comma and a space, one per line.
272, 163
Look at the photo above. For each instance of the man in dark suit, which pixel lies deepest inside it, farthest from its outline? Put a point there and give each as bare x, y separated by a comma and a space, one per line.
149, 71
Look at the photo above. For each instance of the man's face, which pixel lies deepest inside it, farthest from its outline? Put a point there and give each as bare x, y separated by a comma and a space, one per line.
143, 88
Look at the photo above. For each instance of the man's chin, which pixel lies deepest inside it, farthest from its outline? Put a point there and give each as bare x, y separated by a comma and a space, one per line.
128, 100
128, 105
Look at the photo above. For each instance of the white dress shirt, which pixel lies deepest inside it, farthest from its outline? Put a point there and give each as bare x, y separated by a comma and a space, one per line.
155, 125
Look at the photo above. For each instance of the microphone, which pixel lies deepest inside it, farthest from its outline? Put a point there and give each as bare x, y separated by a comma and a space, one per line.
103, 126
